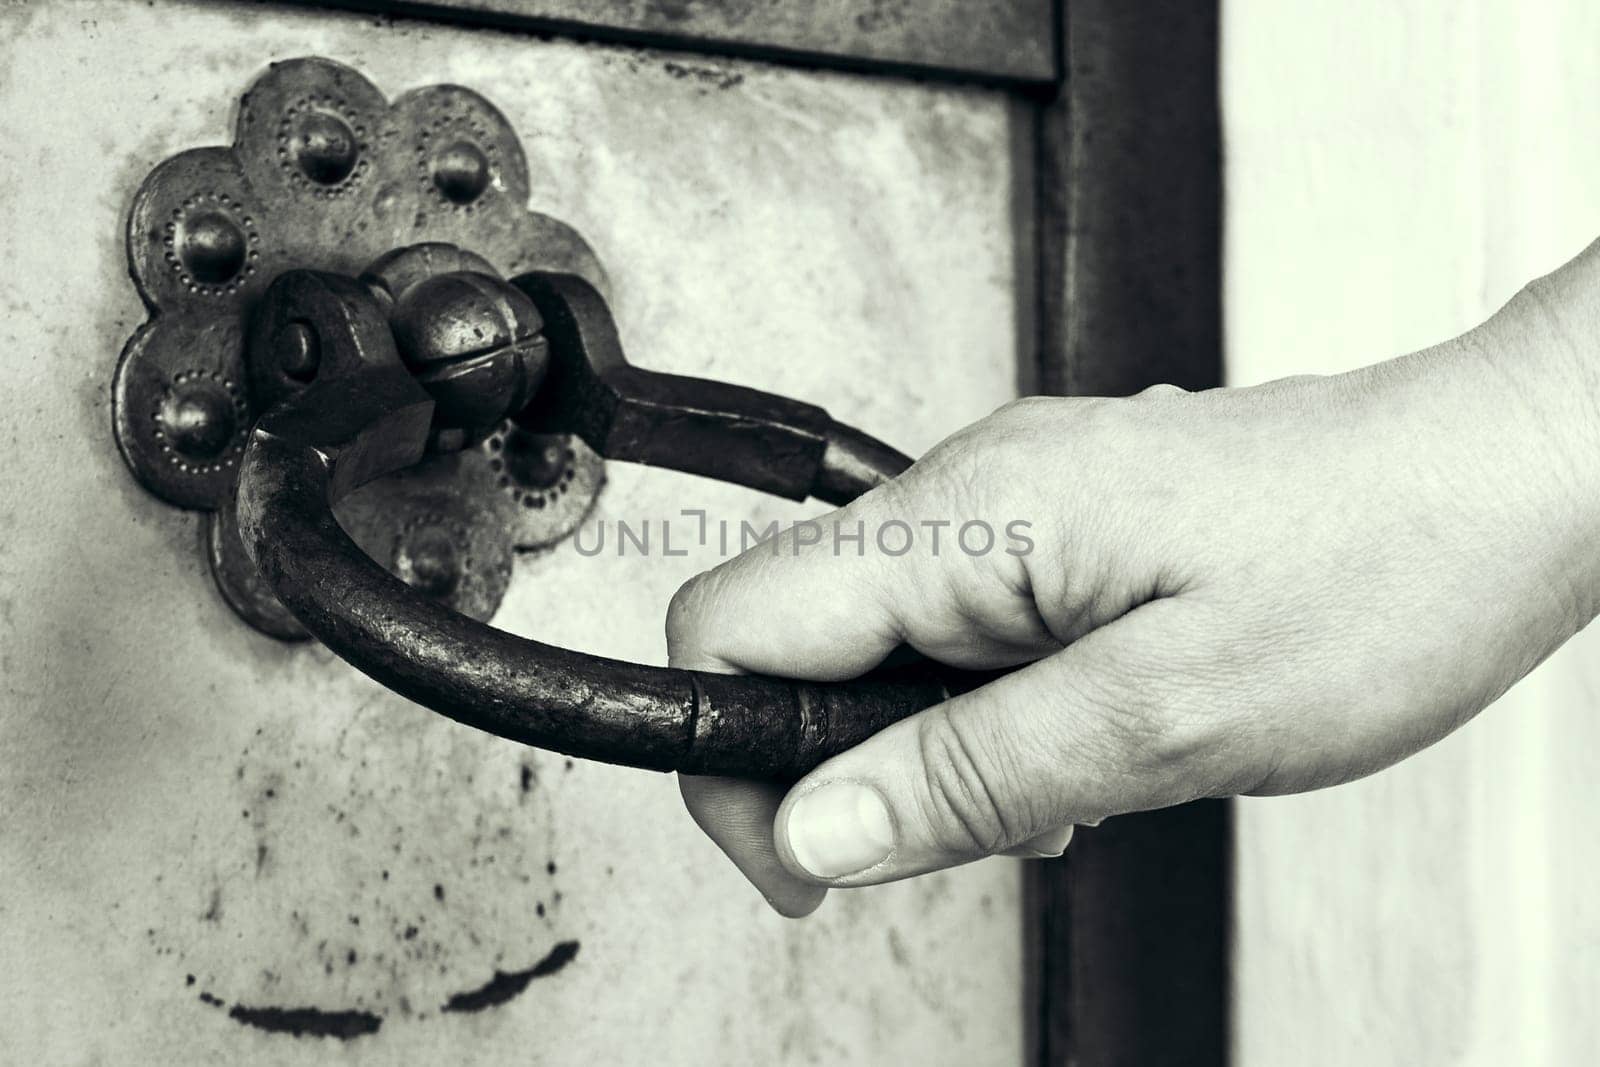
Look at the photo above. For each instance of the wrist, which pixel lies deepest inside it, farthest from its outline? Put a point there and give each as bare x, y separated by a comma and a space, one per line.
1540, 362
1562, 315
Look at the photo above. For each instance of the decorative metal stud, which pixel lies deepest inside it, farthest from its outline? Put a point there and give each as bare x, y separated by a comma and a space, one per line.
324, 173
199, 422
550, 480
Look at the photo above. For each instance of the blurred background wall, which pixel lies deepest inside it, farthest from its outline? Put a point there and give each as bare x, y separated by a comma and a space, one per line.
1396, 170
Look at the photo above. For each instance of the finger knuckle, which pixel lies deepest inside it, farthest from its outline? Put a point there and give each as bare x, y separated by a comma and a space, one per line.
952, 476
686, 608
992, 462
1169, 741
1167, 728
1025, 409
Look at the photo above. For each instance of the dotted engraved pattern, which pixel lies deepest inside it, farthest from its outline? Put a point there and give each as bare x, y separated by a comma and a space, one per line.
226, 214
348, 120
209, 231
202, 385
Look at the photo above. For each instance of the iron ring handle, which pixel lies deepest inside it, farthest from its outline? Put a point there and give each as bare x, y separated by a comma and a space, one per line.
370, 417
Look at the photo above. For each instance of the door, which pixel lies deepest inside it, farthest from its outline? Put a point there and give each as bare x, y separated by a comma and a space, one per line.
217, 846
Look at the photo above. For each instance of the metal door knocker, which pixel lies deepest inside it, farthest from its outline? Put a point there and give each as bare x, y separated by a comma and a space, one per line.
338, 371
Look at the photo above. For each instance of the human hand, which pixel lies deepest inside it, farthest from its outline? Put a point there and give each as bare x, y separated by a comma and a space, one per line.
1262, 590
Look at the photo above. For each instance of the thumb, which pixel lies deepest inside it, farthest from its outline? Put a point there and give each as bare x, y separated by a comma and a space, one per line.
1105, 726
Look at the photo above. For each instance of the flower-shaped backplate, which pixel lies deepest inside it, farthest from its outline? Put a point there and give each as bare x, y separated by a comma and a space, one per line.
325, 173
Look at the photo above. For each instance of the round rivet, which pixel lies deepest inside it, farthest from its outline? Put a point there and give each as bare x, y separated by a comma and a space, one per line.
198, 422
427, 560
323, 147
211, 247
299, 351
460, 172
535, 461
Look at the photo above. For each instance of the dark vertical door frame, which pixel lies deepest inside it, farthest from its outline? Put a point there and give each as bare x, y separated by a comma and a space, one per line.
1129, 934
1127, 937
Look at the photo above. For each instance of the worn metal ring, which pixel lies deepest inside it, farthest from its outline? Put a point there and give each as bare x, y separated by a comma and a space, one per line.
366, 417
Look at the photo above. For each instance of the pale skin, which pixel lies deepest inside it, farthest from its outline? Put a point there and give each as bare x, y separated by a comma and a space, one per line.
1240, 591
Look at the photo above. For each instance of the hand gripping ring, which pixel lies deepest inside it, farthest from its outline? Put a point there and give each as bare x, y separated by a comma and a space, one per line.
364, 415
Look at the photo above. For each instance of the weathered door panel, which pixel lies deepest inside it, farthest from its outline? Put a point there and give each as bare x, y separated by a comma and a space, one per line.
191, 812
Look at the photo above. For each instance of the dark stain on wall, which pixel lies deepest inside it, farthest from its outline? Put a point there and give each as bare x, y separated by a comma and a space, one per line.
301, 1022
379, 872
347, 1024
711, 77
308, 1022
506, 985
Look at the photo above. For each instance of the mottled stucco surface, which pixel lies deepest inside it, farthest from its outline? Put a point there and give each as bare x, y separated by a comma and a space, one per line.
197, 823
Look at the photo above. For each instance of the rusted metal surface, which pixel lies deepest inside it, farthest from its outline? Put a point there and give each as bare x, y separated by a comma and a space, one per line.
989, 41
365, 414
240, 583
324, 173
702, 427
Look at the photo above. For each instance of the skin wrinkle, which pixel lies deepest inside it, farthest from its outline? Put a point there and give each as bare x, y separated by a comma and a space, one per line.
1071, 610
959, 788
1020, 637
